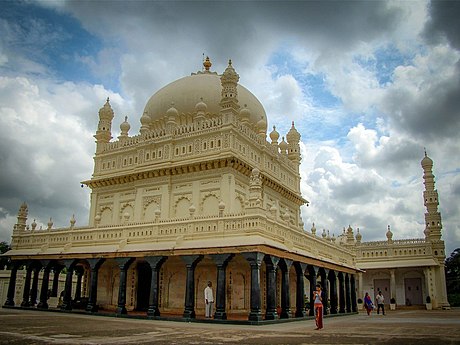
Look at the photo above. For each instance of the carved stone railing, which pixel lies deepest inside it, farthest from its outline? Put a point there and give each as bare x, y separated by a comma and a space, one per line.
206, 227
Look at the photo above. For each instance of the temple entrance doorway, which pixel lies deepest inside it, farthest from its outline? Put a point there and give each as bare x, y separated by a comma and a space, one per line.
384, 286
413, 291
144, 276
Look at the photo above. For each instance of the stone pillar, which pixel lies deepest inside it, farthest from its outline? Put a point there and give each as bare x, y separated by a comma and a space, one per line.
94, 265
360, 284
341, 292
392, 284
354, 306
313, 273
67, 300
333, 290
300, 289
34, 289
123, 265
221, 261
57, 270
12, 285
347, 293
285, 290
271, 264
79, 273
155, 263
43, 304
190, 262
324, 272
26, 292
255, 261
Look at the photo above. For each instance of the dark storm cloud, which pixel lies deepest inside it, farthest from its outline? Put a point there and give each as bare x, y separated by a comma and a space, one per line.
444, 22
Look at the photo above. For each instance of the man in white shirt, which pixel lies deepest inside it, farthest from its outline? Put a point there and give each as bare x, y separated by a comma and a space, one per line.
208, 299
380, 302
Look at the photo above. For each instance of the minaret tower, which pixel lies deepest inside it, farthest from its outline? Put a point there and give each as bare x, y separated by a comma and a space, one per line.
104, 128
229, 81
430, 195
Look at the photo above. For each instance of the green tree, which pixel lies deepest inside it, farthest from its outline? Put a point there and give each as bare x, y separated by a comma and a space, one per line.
452, 266
4, 247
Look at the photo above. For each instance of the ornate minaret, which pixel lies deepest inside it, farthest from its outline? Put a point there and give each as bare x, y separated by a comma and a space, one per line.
229, 82
22, 217
430, 195
104, 128
293, 138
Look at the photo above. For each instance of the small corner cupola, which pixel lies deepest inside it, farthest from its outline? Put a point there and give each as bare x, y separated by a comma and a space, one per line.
201, 107
145, 123
283, 146
124, 128
245, 114
389, 235
274, 136
358, 236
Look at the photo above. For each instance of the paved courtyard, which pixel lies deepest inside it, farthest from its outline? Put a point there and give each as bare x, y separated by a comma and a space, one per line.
398, 327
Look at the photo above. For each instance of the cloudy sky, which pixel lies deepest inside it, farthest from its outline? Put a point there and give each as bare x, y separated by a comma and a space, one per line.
369, 85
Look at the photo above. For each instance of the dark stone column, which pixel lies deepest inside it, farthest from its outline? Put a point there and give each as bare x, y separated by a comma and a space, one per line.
43, 303
313, 273
285, 265
190, 262
255, 261
79, 272
94, 265
271, 264
26, 293
34, 289
123, 264
325, 294
57, 270
221, 261
300, 289
67, 299
333, 289
341, 276
354, 306
347, 293
155, 263
12, 284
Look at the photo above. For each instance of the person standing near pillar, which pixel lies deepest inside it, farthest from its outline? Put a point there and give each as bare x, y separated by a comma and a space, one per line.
368, 303
380, 302
318, 305
209, 300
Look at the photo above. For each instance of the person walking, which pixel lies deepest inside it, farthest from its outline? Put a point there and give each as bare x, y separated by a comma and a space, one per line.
368, 303
318, 307
380, 302
209, 300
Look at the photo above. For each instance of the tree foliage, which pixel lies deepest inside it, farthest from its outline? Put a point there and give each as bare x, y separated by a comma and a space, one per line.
4, 247
452, 266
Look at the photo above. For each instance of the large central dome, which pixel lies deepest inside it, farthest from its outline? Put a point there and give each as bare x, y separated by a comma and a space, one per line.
186, 92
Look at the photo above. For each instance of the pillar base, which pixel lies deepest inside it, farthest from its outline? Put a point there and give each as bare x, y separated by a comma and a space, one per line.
42, 305
189, 314
66, 307
153, 311
300, 313
220, 315
285, 314
24, 304
121, 311
255, 316
9, 303
92, 308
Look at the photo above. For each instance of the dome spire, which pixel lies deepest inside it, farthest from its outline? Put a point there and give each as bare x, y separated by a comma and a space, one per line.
207, 64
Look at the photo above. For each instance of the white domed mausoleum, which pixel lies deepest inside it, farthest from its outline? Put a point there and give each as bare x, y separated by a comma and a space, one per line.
200, 195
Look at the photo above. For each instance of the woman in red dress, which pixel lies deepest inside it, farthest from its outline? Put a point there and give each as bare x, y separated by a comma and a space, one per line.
318, 305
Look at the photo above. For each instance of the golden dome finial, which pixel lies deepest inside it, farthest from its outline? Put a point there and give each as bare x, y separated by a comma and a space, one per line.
207, 63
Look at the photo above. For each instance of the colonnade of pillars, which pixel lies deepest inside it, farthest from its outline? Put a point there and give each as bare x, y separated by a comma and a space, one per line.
339, 299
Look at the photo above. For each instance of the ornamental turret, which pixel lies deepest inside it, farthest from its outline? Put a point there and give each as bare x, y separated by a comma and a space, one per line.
104, 128
293, 139
229, 81
22, 217
430, 195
